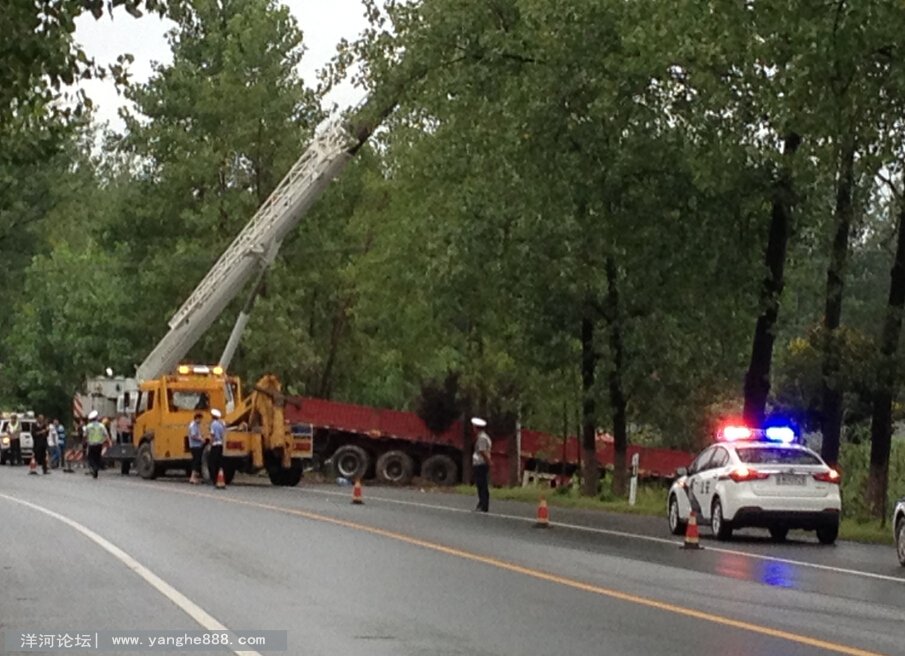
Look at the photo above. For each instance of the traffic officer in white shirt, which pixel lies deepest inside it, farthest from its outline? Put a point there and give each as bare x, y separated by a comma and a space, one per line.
196, 446
215, 457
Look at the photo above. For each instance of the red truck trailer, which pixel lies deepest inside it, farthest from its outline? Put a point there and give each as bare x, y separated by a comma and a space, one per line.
394, 446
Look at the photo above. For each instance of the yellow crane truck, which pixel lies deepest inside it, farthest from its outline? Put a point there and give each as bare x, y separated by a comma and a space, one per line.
170, 393
257, 437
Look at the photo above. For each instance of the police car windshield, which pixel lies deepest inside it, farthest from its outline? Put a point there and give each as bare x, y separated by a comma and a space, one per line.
776, 455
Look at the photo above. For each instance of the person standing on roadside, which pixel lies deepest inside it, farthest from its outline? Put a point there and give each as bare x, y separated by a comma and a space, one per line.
39, 434
61, 440
15, 440
481, 464
215, 457
52, 444
96, 435
196, 446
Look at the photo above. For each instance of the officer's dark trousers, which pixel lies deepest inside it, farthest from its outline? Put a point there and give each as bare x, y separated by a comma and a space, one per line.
481, 481
214, 461
41, 452
15, 452
94, 458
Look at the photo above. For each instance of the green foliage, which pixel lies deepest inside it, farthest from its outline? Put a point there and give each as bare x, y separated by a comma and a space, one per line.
854, 462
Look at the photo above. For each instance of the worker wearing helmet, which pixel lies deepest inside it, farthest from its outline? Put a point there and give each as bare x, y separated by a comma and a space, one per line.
215, 457
196, 446
96, 435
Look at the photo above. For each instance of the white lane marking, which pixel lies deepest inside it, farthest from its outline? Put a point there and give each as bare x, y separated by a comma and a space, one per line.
639, 536
192, 609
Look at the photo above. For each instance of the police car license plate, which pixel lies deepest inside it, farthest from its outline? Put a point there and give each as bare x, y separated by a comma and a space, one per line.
790, 479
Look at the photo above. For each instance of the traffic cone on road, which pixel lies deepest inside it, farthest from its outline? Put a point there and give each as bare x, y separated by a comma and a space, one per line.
221, 480
691, 532
33, 466
356, 494
543, 515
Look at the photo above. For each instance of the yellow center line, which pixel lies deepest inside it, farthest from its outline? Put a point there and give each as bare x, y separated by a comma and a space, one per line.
546, 576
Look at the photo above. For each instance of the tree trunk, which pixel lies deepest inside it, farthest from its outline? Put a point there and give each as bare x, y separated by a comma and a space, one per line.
590, 476
887, 380
831, 416
757, 380
617, 393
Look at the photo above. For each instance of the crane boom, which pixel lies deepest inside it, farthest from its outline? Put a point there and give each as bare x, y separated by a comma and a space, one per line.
256, 245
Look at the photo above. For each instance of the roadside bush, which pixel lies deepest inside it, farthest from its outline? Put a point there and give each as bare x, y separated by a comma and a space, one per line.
854, 463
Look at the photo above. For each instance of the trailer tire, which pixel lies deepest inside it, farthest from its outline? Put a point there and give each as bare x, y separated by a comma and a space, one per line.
395, 468
144, 462
351, 462
440, 470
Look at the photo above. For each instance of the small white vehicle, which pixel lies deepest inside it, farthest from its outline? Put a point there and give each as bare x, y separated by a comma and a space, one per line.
757, 478
898, 526
26, 443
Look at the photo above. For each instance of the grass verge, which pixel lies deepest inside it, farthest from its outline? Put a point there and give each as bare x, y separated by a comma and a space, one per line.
651, 501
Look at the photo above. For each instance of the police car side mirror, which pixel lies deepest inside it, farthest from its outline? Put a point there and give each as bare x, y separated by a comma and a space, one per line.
682, 471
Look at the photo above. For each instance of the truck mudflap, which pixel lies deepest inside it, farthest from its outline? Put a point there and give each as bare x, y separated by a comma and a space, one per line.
302, 441
120, 452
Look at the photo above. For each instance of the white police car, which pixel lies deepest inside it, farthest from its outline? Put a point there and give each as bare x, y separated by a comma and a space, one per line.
757, 478
898, 524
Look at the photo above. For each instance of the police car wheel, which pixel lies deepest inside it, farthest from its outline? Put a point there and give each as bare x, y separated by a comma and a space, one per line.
721, 528
828, 533
676, 525
779, 533
900, 540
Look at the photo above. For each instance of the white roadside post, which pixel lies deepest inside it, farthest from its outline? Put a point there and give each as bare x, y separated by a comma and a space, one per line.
633, 485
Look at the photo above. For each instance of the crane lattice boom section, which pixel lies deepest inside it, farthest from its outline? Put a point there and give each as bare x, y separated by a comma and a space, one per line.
255, 246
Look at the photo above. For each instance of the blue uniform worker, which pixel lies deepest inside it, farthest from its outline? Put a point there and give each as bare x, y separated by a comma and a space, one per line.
196, 446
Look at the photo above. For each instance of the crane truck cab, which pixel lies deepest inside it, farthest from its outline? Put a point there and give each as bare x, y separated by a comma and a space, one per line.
257, 435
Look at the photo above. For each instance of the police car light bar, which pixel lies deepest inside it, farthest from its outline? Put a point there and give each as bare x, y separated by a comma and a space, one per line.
782, 434
737, 433
733, 433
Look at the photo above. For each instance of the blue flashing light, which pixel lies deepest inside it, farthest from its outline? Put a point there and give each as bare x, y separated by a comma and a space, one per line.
782, 434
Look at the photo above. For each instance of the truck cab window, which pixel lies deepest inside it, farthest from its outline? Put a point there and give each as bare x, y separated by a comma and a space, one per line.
187, 400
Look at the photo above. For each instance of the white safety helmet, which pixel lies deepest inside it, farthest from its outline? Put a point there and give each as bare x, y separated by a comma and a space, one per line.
477, 421
215, 413
92, 415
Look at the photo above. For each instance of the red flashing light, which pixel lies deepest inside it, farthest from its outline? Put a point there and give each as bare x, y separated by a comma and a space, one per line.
742, 474
733, 433
830, 476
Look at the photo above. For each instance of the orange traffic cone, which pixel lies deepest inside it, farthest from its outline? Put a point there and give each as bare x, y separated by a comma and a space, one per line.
356, 494
221, 480
33, 466
543, 515
691, 533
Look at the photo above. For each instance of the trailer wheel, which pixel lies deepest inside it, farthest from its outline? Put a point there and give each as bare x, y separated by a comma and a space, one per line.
395, 468
440, 470
351, 462
144, 462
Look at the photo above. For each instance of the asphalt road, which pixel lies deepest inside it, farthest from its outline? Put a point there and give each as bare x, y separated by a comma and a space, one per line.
418, 573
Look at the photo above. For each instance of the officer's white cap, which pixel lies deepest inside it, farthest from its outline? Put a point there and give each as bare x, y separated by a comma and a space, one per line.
477, 421
215, 413
92, 414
